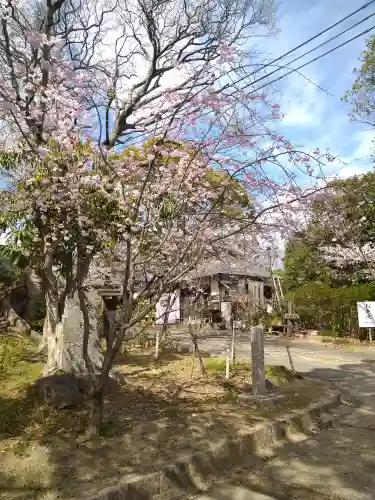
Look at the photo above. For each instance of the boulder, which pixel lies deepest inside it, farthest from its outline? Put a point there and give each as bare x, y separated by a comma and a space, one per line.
270, 386
61, 391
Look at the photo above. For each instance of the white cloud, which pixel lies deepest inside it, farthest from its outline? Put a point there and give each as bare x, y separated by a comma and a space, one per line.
365, 145
346, 172
304, 102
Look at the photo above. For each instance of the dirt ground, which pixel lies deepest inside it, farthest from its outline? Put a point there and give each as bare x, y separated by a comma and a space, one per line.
156, 412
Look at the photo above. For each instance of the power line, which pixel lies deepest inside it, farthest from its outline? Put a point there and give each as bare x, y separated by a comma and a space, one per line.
309, 51
230, 84
293, 70
306, 42
312, 60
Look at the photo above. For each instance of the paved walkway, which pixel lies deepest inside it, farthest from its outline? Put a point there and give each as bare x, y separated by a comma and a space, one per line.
338, 464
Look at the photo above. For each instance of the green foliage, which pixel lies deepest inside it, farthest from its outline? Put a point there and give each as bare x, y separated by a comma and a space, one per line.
13, 350
235, 201
302, 263
37, 325
347, 212
327, 333
332, 309
343, 219
361, 95
9, 160
8, 272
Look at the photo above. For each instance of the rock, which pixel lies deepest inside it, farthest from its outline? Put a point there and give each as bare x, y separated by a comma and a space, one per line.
312, 333
61, 391
270, 386
11, 316
72, 334
36, 335
4, 323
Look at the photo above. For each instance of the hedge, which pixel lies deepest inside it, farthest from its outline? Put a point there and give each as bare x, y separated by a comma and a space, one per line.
332, 310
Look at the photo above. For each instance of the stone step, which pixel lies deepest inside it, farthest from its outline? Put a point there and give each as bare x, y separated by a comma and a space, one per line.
229, 492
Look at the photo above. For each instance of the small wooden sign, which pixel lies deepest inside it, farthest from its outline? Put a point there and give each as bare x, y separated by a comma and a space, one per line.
291, 316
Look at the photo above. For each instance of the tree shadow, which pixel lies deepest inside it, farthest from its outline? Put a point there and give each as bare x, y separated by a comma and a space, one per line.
142, 360
339, 462
146, 428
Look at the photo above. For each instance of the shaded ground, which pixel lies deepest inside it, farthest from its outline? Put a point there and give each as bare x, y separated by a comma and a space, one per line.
338, 464
155, 413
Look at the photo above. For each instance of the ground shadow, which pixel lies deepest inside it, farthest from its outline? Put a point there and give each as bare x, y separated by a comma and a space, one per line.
337, 463
144, 428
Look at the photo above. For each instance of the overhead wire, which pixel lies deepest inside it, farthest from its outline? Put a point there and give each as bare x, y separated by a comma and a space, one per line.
271, 63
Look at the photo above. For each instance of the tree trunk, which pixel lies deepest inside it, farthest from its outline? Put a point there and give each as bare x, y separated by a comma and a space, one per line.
196, 348
52, 335
96, 413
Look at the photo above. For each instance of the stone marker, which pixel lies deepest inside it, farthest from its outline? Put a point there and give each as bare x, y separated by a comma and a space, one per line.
72, 334
257, 360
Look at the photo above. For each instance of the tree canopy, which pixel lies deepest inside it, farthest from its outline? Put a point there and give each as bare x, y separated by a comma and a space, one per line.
361, 96
338, 244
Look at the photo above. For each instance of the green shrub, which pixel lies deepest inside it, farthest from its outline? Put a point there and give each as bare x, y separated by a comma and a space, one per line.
329, 309
37, 325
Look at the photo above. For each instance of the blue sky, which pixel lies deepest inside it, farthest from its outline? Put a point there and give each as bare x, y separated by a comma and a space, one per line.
314, 118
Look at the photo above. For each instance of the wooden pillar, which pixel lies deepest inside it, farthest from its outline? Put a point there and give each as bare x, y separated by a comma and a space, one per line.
257, 360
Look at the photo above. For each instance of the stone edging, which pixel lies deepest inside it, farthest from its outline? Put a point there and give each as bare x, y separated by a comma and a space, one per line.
197, 472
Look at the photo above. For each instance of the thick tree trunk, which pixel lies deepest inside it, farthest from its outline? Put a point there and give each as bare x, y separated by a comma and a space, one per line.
52, 339
96, 413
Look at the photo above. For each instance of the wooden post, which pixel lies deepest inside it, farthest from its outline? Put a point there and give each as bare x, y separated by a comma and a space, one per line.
227, 365
289, 334
157, 343
257, 360
370, 335
290, 359
193, 337
233, 346
289, 330
193, 363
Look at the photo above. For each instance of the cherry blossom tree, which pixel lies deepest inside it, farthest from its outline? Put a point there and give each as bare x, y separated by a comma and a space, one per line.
341, 227
131, 126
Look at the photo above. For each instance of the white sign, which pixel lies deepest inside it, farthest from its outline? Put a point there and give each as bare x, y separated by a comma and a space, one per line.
366, 314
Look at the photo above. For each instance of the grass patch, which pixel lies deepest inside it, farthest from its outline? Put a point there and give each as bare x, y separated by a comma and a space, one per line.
15, 349
277, 374
340, 341
327, 340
